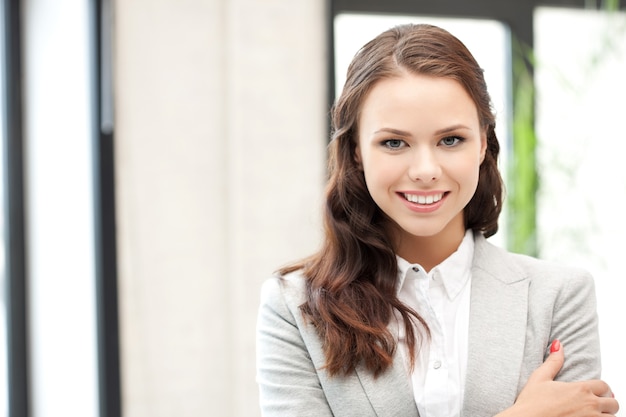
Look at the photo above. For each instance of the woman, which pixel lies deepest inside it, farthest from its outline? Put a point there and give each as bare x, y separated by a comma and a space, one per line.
406, 309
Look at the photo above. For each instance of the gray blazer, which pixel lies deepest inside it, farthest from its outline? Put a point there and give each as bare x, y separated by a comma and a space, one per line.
518, 306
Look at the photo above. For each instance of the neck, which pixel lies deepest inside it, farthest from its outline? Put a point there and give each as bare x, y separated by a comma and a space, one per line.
430, 251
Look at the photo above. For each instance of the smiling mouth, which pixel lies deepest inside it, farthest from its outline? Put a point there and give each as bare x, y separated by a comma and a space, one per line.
423, 199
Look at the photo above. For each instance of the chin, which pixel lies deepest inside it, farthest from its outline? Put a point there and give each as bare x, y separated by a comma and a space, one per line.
422, 232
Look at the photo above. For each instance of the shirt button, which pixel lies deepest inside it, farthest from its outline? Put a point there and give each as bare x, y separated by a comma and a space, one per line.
437, 364
415, 269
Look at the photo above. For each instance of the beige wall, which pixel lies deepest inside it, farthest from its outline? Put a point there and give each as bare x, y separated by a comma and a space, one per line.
220, 146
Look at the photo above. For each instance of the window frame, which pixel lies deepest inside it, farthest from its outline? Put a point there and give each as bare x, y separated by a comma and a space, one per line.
109, 382
15, 295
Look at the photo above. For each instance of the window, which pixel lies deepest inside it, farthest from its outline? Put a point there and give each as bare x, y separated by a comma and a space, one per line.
580, 156
54, 49
59, 158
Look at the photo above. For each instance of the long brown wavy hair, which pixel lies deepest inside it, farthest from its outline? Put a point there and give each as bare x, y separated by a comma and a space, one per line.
351, 282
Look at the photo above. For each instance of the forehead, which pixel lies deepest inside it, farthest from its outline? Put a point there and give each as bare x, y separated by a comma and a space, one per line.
416, 99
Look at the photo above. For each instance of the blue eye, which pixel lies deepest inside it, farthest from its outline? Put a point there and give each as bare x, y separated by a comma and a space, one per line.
451, 140
393, 143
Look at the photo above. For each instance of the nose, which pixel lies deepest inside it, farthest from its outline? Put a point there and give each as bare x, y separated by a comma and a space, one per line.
425, 166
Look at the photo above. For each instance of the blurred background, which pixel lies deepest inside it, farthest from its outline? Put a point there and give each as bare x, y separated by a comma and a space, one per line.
161, 158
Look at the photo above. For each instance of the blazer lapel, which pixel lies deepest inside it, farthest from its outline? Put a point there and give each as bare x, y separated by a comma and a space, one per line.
391, 394
497, 331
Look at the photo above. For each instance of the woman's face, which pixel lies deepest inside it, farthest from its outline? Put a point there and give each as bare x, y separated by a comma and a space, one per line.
420, 146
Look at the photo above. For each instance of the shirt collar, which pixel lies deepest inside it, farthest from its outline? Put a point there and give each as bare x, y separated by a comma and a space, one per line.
453, 272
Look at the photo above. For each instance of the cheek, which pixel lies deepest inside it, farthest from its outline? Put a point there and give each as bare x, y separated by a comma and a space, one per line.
381, 172
471, 161
466, 172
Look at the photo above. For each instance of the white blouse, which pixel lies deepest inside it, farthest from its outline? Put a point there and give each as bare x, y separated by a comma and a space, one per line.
442, 298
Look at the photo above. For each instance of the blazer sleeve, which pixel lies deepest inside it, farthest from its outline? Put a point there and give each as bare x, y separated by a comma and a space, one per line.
287, 378
575, 324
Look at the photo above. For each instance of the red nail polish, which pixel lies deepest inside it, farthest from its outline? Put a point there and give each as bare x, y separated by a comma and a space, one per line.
555, 346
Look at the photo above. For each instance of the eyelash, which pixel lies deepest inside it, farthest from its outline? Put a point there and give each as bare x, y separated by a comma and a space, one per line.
386, 144
402, 143
459, 139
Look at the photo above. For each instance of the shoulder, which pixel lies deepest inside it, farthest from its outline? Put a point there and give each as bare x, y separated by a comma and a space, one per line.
287, 288
283, 295
545, 269
541, 273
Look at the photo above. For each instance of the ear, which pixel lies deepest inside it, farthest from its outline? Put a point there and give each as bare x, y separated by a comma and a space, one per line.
483, 144
357, 156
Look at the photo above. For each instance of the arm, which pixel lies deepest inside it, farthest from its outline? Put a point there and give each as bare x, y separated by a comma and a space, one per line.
575, 325
544, 397
574, 357
287, 378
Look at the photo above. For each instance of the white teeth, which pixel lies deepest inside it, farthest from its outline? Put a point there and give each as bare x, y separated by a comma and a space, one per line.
423, 199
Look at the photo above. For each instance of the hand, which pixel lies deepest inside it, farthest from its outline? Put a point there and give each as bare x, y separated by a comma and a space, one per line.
542, 396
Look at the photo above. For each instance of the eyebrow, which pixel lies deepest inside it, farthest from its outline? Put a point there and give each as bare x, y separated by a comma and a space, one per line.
451, 129
439, 132
393, 131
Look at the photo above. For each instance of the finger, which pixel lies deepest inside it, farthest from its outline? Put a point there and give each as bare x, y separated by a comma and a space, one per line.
608, 405
608, 394
600, 388
551, 366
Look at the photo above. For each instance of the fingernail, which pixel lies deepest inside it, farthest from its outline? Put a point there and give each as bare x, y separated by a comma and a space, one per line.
555, 346
612, 395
